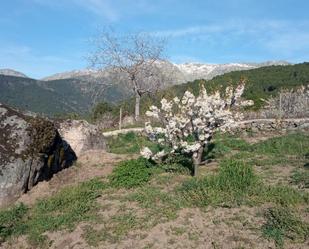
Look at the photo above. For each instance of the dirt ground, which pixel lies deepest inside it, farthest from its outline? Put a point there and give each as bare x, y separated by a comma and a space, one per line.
213, 228
95, 163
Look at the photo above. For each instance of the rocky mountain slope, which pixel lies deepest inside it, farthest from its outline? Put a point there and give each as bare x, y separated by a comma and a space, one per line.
11, 72
182, 72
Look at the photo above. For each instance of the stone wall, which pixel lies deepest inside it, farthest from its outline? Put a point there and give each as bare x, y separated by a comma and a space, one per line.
257, 125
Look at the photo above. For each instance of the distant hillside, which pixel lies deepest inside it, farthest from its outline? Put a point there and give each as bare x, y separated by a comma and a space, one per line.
262, 82
52, 97
73, 92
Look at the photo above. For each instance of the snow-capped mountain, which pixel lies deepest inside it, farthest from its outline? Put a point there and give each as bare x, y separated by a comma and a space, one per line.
181, 72
193, 71
11, 72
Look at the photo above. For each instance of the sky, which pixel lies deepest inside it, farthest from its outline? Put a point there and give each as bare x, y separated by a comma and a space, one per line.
43, 37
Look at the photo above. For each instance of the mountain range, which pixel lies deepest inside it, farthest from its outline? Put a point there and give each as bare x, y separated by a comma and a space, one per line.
74, 91
183, 72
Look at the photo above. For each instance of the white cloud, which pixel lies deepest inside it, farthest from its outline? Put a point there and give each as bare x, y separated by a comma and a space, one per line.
275, 36
102, 8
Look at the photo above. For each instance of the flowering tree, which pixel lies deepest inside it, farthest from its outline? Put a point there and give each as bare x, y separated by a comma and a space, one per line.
189, 123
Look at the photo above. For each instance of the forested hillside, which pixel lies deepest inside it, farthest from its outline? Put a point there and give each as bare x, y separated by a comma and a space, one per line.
261, 83
65, 96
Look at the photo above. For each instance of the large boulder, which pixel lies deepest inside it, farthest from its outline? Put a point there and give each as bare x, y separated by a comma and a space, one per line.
31, 150
81, 135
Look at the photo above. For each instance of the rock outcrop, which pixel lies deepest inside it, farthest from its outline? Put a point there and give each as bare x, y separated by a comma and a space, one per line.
31, 150
81, 135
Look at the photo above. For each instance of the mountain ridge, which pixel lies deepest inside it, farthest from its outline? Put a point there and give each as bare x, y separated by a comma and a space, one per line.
12, 72
190, 70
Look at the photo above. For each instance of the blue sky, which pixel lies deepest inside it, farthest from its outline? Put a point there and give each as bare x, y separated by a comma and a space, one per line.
42, 37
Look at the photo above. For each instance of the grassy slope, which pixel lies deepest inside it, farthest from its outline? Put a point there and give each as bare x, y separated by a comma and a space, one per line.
248, 176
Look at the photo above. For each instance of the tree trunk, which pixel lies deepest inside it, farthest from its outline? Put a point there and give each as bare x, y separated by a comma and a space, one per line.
137, 105
197, 159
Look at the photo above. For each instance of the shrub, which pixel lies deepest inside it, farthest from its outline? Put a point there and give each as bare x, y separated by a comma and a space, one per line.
177, 163
131, 173
282, 223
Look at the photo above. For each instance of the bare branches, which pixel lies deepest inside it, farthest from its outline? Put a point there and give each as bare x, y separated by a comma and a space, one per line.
136, 57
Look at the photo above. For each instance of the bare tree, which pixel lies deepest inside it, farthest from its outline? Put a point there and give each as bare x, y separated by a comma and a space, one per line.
136, 57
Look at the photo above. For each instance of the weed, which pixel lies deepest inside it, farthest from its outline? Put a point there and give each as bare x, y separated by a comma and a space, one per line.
282, 223
177, 163
300, 178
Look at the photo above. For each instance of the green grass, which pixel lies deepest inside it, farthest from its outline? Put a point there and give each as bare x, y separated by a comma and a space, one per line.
232, 183
237, 184
130, 143
224, 143
11, 221
154, 194
61, 211
177, 163
294, 144
131, 173
282, 223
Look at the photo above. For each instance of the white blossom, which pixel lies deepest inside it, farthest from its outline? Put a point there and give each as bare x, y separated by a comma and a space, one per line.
198, 116
146, 153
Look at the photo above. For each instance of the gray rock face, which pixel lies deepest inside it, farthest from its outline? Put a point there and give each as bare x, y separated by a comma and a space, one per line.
82, 136
31, 150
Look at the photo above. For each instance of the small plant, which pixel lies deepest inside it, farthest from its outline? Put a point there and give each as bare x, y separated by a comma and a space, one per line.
282, 223
131, 173
177, 163
301, 178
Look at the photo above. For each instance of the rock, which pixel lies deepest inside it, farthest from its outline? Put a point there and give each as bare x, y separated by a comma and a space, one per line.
82, 136
31, 150
128, 120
